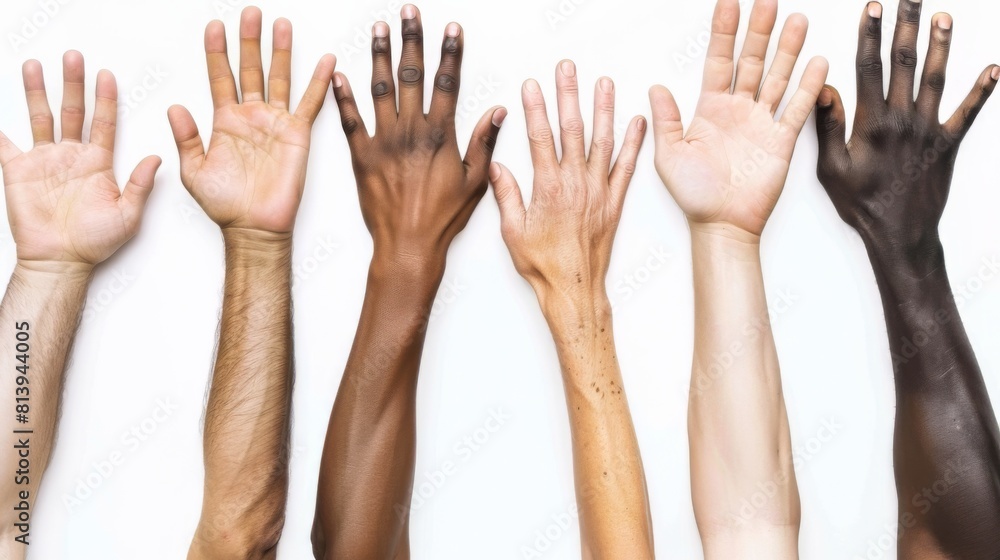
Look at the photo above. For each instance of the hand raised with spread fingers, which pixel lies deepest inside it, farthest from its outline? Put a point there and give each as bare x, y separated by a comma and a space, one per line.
891, 181
63, 200
416, 190
730, 166
254, 171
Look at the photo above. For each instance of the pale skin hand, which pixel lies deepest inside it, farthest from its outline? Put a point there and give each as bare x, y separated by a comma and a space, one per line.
250, 183
561, 244
726, 173
67, 215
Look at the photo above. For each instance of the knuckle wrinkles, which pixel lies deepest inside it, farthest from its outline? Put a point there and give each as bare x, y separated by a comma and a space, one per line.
573, 127
350, 125
871, 65
604, 145
380, 45
411, 74
446, 83
905, 57
381, 88
936, 82
451, 46
540, 136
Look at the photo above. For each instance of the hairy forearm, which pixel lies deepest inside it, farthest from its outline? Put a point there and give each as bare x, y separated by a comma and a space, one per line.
38, 320
738, 427
366, 476
947, 446
610, 483
248, 417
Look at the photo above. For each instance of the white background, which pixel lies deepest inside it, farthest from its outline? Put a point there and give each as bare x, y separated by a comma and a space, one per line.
151, 337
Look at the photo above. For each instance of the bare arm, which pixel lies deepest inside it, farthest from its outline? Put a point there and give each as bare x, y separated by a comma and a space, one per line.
891, 183
67, 215
726, 171
561, 244
416, 195
250, 182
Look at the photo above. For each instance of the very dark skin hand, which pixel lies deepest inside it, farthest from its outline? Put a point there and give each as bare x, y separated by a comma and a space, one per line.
416, 194
891, 184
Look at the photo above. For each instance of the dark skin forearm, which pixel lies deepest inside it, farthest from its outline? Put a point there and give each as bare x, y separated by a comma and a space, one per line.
947, 445
248, 418
366, 476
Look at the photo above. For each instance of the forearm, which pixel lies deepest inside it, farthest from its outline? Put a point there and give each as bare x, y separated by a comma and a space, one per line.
366, 476
947, 446
737, 423
610, 483
248, 416
38, 320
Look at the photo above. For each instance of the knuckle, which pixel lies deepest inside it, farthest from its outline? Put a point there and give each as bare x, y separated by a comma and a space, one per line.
446, 82
604, 145
935, 82
573, 127
540, 136
451, 46
870, 65
351, 124
380, 45
905, 57
381, 88
411, 74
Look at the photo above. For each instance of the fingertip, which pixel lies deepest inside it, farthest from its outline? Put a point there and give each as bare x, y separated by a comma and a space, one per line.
250, 20
995, 73
495, 172
380, 30
874, 10
453, 30
825, 99
640, 123
943, 21
798, 20
499, 115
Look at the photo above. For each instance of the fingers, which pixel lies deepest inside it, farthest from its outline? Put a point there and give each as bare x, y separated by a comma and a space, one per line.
315, 95
959, 124
251, 67
719, 62
8, 150
935, 68
621, 173
793, 36
802, 103
603, 144
570, 119
350, 117
540, 140
449, 74
220, 74
904, 54
383, 88
667, 126
831, 129
871, 92
102, 130
136, 193
279, 80
508, 195
38, 104
190, 147
73, 107
484, 140
751, 66
411, 65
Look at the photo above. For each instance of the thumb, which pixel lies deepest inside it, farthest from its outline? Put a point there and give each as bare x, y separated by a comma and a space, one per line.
508, 195
136, 193
831, 128
190, 147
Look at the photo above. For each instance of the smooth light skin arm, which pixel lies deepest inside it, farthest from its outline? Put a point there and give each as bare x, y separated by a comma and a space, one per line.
891, 184
561, 244
726, 172
250, 182
67, 215
416, 195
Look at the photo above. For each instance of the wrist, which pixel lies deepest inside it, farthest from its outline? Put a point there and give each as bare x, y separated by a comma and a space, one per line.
256, 242
61, 270
719, 239
415, 273
921, 258
576, 310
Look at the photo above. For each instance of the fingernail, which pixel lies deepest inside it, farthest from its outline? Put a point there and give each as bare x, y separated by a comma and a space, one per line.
640, 125
452, 30
944, 21
409, 11
531, 86
498, 116
338, 81
606, 85
995, 74
875, 10
381, 29
825, 98
567, 68
494, 171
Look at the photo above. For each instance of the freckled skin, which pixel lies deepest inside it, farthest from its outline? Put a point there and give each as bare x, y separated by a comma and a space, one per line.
416, 194
891, 183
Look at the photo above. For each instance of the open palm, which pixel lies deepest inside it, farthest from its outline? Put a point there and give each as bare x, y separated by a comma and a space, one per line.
730, 166
254, 171
63, 201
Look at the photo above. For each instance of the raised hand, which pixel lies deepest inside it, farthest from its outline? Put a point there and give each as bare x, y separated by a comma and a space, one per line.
416, 190
730, 166
891, 181
63, 202
254, 172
